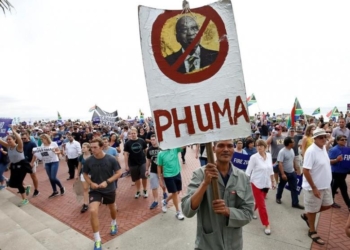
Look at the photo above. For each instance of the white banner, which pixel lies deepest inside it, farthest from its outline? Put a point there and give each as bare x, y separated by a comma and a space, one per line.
194, 74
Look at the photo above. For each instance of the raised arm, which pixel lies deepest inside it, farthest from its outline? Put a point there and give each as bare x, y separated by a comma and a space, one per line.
3, 143
18, 139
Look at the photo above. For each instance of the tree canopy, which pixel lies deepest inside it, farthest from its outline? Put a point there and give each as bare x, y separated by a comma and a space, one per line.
5, 5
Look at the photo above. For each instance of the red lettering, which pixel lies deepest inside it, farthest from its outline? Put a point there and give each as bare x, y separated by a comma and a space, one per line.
200, 118
218, 111
239, 104
161, 128
187, 120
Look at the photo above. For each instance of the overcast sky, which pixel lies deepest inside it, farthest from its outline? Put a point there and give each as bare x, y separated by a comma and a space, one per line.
66, 57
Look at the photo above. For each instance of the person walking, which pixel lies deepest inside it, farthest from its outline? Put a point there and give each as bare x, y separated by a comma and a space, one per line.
100, 172
49, 153
262, 179
339, 171
219, 221
72, 152
288, 173
151, 170
169, 172
4, 161
135, 161
82, 158
316, 182
28, 147
19, 167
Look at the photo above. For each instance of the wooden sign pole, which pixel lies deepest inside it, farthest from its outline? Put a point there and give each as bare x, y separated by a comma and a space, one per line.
214, 181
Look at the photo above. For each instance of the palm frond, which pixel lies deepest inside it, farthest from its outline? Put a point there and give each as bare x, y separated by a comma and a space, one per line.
5, 5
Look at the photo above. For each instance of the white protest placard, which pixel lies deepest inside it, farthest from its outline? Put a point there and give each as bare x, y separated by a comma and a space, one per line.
194, 74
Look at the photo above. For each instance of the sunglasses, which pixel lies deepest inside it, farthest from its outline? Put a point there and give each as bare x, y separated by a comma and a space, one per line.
342, 140
277, 129
321, 137
328, 132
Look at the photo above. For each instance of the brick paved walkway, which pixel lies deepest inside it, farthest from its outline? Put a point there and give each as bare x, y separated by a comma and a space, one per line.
131, 211
332, 224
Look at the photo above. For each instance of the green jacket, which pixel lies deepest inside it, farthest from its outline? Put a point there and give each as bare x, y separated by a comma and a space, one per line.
215, 231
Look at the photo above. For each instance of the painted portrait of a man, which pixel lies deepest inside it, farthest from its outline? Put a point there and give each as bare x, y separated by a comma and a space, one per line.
186, 29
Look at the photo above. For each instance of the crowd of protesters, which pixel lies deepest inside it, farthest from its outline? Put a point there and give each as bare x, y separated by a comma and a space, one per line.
278, 155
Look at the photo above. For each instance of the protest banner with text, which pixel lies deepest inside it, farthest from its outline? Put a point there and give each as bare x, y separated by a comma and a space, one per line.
194, 74
5, 124
240, 160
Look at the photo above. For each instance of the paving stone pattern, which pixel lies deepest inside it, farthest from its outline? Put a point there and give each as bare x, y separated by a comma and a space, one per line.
131, 211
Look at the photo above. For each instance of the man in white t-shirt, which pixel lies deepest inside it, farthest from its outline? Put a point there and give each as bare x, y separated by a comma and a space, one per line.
316, 182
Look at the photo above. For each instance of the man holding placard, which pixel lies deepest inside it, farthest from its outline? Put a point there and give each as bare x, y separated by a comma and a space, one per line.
219, 222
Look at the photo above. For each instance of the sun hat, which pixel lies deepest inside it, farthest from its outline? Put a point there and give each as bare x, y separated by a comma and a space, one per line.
319, 132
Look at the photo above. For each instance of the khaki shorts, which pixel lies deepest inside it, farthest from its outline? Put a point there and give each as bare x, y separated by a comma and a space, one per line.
313, 204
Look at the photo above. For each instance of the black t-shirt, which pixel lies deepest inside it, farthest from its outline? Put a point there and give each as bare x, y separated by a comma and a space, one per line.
100, 170
142, 136
152, 154
264, 131
89, 136
76, 136
148, 137
136, 148
28, 150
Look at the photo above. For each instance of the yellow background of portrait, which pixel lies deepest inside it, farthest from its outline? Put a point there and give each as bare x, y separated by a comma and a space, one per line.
169, 44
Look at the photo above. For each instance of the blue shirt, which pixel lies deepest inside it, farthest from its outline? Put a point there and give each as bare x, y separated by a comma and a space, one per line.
58, 139
111, 151
251, 151
333, 153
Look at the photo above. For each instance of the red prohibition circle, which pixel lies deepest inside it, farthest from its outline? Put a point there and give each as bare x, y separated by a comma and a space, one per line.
196, 77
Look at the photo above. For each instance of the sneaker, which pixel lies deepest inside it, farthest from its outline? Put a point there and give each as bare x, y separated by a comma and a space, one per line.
23, 203
53, 194
2, 187
84, 208
36, 193
165, 196
28, 190
114, 230
154, 205
164, 206
137, 195
98, 245
179, 216
145, 194
267, 231
255, 217
63, 190
335, 205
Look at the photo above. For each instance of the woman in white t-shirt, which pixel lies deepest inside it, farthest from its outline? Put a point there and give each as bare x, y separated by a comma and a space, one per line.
48, 153
261, 175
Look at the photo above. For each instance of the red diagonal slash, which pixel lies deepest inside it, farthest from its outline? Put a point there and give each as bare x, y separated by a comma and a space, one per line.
181, 59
